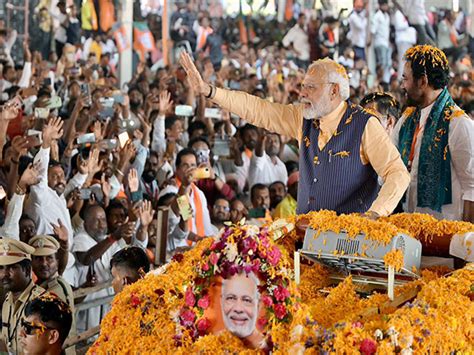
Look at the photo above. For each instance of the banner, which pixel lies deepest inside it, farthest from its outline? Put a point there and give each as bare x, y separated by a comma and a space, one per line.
120, 36
143, 40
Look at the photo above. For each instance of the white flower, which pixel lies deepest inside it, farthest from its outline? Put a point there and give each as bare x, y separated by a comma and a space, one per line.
231, 252
252, 231
378, 334
297, 349
296, 333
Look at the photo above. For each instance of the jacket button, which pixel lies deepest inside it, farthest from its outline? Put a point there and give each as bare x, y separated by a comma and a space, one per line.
315, 180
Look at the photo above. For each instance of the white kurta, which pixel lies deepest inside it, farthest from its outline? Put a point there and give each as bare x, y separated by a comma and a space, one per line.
461, 147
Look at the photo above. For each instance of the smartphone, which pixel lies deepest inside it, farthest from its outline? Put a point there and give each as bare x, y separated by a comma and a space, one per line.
184, 207
119, 98
214, 113
257, 213
41, 113
221, 147
75, 71
202, 173
85, 194
86, 92
110, 144
123, 139
47, 82
183, 110
54, 102
34, 138
2, 193
107, 101
86, 138
106, 112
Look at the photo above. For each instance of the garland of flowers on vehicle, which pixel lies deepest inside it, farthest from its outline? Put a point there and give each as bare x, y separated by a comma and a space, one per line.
239, 249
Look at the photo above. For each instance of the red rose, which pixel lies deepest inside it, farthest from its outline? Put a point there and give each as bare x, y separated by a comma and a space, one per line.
267, 301
280, 310
368, 347
205, 267
134, 300
189, 297
214, 258
188, 317
204, 302
281, 293
262, 322
203, 325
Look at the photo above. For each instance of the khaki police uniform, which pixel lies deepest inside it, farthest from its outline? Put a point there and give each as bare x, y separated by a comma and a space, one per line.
12, 252
46, 245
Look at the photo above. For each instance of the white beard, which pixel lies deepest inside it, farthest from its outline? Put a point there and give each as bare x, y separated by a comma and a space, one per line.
240, 331
317, 110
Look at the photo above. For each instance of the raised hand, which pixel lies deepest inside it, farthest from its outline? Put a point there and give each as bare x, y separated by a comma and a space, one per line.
133, 181
61, 232
53, 130
195, 79
146, 213
20, 146
128, 151
11, 109
106, 187
165, 102
29, 177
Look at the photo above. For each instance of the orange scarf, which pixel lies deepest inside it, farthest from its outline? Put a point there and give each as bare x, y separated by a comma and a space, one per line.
248, 153
198, 212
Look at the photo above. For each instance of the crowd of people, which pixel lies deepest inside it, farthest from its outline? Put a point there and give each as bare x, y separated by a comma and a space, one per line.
223, 134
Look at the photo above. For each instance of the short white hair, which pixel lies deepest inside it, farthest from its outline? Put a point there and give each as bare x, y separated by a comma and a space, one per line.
335, 73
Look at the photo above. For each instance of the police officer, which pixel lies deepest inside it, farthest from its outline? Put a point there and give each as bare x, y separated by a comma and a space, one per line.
45, 266
15, 277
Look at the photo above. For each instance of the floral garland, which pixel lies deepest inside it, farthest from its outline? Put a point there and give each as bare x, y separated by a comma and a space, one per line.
239, 249
146, 316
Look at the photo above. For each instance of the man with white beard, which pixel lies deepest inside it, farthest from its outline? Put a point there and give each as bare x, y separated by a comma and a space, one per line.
94, 249
239, 305
342, 147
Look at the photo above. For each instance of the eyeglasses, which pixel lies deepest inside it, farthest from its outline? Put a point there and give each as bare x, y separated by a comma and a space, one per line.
225, 209
312, 86
30, 328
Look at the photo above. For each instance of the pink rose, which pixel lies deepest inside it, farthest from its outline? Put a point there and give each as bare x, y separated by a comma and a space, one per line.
203, 325
280, 310
205, 267
281, 293
214, 258
204, 302
357, 325
267, 301
189, 297
274, 256
188, 318
368, 347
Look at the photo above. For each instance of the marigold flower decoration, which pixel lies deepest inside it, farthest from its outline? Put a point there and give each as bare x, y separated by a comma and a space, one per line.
239, 249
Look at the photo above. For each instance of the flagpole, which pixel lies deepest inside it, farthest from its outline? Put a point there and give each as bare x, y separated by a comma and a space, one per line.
165, 31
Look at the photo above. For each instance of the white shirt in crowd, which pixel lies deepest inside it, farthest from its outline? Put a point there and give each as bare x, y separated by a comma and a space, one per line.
44, 205
381, 29
242, 172
404, 33
264, 171
82, 243
60, 32
461, 147
358, 28
178, 238
416, 12
299, 38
